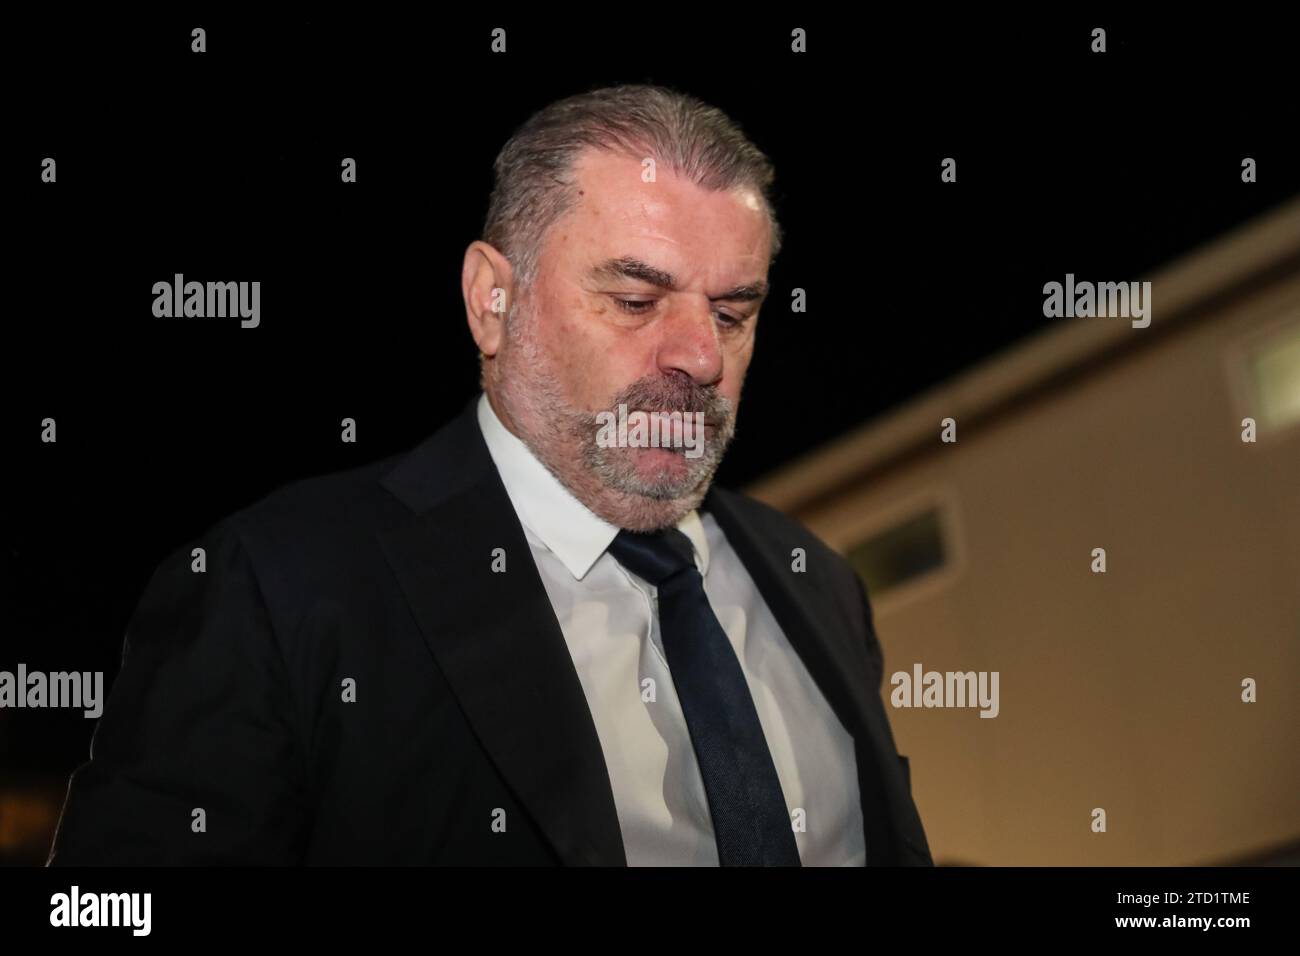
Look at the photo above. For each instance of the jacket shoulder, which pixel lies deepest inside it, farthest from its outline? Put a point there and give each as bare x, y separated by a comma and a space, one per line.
304, 541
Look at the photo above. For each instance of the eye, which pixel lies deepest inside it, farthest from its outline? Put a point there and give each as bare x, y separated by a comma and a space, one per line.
728, 321
635, 306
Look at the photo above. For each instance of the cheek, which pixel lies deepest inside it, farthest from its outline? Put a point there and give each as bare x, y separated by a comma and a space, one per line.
579, 355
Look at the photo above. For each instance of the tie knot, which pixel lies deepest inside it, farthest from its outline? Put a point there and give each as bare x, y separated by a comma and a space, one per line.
655, 556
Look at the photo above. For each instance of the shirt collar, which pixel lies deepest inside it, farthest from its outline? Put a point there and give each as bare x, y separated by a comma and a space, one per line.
567, 527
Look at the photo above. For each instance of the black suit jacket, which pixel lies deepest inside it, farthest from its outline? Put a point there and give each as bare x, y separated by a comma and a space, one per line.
467, 705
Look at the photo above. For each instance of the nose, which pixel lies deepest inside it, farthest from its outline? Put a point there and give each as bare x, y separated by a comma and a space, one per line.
689, 341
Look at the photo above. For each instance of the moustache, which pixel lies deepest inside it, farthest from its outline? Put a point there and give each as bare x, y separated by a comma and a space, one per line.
654, 395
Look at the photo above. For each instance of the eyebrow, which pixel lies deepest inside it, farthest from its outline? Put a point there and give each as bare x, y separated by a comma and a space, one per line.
630, 268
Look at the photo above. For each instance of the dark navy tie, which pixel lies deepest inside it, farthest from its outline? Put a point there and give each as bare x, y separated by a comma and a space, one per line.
751, 823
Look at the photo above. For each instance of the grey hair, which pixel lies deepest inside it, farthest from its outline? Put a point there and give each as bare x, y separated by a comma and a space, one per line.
535, 183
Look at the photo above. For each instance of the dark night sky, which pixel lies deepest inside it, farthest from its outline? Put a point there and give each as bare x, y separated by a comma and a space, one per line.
225, 166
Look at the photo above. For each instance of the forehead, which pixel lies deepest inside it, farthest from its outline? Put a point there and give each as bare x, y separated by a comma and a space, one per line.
719, 230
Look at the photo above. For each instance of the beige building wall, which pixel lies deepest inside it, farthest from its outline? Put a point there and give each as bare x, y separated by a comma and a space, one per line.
1119, 690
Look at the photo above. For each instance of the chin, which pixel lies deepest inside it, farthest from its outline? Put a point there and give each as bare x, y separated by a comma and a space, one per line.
652, 515
637, 511
644, 490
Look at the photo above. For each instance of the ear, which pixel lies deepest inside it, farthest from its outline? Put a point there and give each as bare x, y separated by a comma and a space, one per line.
486, 284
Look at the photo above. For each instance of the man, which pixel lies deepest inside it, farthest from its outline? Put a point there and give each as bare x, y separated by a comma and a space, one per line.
533, 639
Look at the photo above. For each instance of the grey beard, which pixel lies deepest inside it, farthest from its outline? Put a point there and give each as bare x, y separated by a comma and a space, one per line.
616, 468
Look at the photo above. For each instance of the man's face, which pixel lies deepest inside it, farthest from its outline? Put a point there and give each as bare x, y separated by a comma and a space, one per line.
646, 295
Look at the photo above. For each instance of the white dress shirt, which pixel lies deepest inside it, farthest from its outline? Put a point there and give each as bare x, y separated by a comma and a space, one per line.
609, 619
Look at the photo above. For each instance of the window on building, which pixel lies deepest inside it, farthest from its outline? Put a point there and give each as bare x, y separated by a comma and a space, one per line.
901, 553
1273, 370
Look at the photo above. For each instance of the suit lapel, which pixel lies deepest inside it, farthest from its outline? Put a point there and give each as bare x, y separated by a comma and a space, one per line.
802, 606
495, 638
